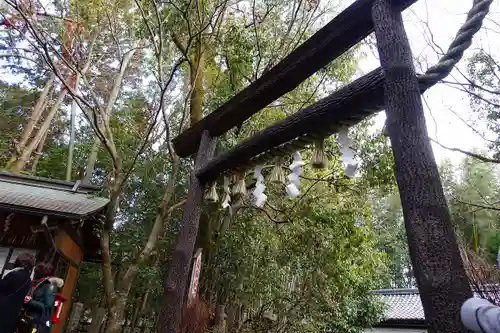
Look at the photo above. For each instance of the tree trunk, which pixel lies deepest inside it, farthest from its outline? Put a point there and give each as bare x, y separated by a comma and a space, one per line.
125, 283
220, 312
116, 314
197, 93
177, 274
139, 308
69, 166
38, 152
35, 115
144, 303
439, 270
97, 319
115, 303
107, 272
25, 154
89, 168
232, 314
240, 318
75, 317
135, 314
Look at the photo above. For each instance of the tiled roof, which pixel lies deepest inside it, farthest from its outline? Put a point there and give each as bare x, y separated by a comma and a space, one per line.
44, 196
402, 304
405, 304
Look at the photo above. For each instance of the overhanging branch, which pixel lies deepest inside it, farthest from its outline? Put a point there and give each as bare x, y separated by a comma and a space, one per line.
468, 153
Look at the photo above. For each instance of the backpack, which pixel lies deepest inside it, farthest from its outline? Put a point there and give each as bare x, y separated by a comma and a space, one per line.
28, 323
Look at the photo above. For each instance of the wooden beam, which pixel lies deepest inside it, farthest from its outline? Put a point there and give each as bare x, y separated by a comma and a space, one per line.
435, 256
347, 106
338, 36
177, 272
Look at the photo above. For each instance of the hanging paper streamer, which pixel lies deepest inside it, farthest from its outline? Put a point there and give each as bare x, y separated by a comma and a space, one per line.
294, 179
258, 193
350, 164
257, 172
293, 187
211, 195
259, 186
319, 159
292, 191
226, 202
343, 138
277, 175
259, 189
261, 200
297, 163
240, 186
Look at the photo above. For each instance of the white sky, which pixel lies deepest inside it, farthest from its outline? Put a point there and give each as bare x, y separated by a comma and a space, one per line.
444, 18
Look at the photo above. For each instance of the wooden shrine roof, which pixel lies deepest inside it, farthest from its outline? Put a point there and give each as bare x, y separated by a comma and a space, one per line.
43, 196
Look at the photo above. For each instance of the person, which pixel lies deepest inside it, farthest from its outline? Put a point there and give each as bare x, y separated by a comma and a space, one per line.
39, 307
14, 287
480, 316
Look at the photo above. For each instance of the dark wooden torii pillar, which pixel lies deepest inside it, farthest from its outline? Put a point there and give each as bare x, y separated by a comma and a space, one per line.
177, 274
439, 271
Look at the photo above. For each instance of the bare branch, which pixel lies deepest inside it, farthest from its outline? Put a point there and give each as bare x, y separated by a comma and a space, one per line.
148, 26
462, 87
113, 35
178, 43
468, 153
153, 123
257, 42
478, 205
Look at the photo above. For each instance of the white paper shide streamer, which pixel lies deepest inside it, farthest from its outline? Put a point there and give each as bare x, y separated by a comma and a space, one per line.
226, 202
258, 194
293, 186
350, 164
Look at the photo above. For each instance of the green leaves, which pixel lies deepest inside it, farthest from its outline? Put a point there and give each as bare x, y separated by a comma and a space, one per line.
472, 196
483, 87
314, 273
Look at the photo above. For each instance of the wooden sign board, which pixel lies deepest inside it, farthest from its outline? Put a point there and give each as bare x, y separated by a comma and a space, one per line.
195, 276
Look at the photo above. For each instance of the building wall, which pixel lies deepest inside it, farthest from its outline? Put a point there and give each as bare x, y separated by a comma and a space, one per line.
22, 232
15, 231
68, 246
73, 257
394, 330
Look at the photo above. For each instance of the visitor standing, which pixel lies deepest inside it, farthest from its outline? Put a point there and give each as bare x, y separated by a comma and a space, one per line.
14, 287
39, 306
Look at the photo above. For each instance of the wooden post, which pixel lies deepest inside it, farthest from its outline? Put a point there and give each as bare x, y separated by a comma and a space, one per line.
97, 319
177, 273
434, 252
220, 317
77, 310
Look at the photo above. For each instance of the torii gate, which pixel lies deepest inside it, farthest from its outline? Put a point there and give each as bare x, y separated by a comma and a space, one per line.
434, 252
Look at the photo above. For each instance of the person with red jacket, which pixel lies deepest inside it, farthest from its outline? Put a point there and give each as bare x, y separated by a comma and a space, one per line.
39, 307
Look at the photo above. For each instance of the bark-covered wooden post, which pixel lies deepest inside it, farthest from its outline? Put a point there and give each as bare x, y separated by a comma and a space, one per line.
177, 273
220, 317
435, 255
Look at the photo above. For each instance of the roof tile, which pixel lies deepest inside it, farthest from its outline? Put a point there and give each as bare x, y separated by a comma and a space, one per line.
405, 304
43, 199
